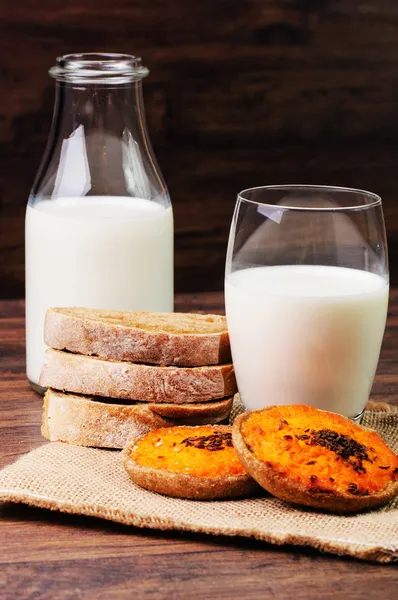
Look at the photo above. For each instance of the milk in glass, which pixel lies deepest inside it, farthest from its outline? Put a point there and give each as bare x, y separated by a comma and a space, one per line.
306, 335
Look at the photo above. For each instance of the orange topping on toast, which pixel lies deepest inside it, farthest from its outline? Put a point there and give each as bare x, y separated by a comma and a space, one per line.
322, 451
199, 451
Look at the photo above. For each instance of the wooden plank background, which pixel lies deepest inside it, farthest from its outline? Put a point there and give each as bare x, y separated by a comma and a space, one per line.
241, 93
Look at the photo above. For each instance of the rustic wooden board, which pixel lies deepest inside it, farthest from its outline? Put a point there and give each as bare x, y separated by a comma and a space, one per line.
50, 555
241, 93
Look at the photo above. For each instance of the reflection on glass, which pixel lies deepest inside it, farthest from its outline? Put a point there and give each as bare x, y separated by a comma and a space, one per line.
73, 173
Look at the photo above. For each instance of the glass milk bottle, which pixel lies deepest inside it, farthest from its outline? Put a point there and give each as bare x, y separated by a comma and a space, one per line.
99, 222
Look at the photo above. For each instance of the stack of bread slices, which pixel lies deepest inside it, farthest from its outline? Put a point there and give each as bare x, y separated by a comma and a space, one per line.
112, 375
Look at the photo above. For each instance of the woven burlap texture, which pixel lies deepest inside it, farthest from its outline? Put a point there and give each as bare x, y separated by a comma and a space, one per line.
93, 482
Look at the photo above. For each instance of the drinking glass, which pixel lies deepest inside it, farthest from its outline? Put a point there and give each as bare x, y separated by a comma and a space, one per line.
306, 289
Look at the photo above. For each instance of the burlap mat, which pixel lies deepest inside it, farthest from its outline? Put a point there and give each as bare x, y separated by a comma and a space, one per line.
93, 482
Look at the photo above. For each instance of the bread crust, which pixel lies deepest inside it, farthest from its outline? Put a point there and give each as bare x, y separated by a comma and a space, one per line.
294, 492
93, 376
179, 485
214, 408
86, 421
106, 334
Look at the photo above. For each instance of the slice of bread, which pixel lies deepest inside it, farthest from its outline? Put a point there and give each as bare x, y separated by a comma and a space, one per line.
99, 422
199, 463
316, 458
181, 339
93, 376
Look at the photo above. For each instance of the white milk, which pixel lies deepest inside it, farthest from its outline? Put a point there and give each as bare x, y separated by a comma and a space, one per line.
98, 252
306, 335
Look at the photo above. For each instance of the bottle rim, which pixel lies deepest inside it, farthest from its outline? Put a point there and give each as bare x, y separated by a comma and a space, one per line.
98, 67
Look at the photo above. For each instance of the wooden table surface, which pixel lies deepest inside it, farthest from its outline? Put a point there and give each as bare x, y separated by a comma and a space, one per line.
53, 555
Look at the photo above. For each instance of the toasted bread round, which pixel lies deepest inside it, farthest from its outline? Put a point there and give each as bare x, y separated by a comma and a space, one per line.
316, 458
219, 409
105, 423
188, 462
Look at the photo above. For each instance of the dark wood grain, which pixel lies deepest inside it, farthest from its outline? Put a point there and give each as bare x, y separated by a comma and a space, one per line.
50, 555
241, 93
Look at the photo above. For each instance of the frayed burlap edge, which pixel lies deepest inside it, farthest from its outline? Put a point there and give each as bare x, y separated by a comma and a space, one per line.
381, 407
360, 551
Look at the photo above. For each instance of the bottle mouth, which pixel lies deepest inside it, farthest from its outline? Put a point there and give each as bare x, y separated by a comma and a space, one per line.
98, 67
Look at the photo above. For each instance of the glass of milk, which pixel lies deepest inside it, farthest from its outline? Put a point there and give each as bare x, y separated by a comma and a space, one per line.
306, 290
99, 222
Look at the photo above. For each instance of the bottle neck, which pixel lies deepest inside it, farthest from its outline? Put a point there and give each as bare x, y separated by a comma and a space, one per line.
99, 136
99, 107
